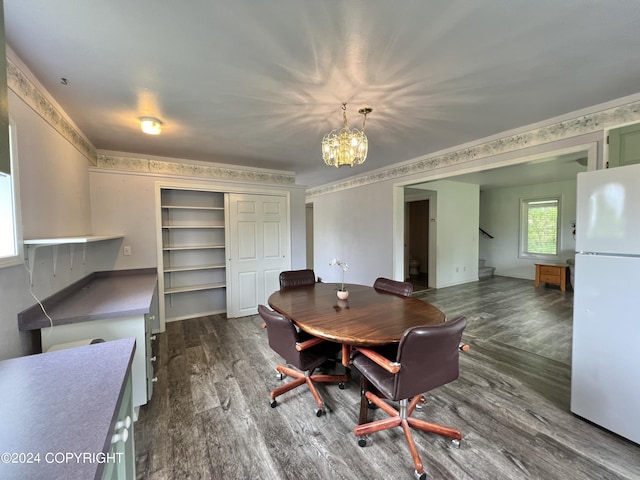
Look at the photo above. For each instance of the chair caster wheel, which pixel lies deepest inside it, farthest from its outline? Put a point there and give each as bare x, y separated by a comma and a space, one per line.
455, 443
319, 412
274, 403
420, 476
341, 386
362, 442
280, 376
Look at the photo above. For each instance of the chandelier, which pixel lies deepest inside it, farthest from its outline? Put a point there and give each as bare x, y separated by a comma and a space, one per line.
346, 147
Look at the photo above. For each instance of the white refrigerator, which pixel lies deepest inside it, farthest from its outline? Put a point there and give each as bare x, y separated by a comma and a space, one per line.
605, 365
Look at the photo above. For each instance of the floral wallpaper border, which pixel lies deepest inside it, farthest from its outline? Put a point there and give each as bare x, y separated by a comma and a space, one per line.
32, 96
561, 130
589, 123
22, 86
163, 167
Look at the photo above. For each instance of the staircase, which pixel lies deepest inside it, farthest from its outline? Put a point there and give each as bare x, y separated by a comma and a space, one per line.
484, 272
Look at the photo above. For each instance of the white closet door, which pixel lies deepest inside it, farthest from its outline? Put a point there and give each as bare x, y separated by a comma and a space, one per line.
257, 250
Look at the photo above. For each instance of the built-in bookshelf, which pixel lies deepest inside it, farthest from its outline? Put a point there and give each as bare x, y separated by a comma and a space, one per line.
193, 253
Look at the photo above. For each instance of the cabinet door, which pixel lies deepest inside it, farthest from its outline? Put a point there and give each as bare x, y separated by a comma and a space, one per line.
624, 146
121, 458
258, 250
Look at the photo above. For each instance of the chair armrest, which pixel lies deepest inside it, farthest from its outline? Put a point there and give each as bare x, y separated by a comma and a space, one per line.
388, 365
312, 342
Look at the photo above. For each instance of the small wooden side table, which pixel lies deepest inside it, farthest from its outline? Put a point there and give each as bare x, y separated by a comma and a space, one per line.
553, 273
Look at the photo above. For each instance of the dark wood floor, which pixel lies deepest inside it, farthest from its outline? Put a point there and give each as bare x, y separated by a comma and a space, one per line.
210, 417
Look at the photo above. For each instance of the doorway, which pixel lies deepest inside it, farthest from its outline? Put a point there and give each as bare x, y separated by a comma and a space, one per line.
417, 244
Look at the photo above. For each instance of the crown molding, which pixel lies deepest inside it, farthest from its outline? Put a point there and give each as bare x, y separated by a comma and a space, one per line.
34, 97
21, 82
559, 130
164, 166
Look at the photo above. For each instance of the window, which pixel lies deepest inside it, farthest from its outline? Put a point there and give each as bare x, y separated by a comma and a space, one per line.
539, 227
10, 235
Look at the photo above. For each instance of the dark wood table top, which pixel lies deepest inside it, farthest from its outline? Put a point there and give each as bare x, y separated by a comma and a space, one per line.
367, 318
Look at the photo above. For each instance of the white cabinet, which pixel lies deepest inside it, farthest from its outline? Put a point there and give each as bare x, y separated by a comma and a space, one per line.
192, 265
70, 401
108, 305
135, 326
121, 458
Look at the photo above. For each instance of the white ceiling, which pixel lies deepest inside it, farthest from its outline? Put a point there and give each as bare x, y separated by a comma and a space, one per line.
259, 83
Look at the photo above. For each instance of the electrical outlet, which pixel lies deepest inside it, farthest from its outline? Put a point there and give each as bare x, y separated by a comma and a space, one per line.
126, 251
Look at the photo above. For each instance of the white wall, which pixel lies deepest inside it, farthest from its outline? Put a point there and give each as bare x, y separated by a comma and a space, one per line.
456, 232
500, 216
355, 226
62, 196
125, 202
54, 188
363, 222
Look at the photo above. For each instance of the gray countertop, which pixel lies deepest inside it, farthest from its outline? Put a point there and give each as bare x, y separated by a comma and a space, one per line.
59, 403
111, 294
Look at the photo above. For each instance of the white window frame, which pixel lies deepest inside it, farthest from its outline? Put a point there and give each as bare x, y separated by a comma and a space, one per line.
524, 224
18, 258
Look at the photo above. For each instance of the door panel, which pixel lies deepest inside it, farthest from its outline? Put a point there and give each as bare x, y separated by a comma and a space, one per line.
248, 290
272, 240
258, 250
247, 241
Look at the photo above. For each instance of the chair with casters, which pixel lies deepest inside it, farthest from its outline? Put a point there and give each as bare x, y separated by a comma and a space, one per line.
427, 358
301, 278
296, 278
403, 289
305, 352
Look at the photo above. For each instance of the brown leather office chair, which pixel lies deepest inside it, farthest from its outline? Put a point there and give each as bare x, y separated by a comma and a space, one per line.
297, 278
305, 352
404, 289
427, 358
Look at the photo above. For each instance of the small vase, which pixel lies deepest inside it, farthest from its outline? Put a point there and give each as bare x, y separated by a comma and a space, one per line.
343, 294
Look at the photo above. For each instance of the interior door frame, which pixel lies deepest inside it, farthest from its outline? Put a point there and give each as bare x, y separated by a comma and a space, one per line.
593, 149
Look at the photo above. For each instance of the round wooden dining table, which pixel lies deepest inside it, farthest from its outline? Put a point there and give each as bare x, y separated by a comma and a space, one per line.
368, 317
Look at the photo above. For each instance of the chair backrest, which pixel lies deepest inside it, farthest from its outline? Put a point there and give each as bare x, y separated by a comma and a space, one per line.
282, 334
428, 357
404, 289
297, 278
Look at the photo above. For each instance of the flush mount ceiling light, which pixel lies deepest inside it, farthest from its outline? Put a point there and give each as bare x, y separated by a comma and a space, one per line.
346, 147
151, 125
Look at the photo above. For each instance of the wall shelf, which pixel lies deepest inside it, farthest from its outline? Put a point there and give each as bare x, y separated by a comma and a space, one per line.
192, 226
192, 266
70, 240
190, 207
191, 247
34, 244
193, 288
